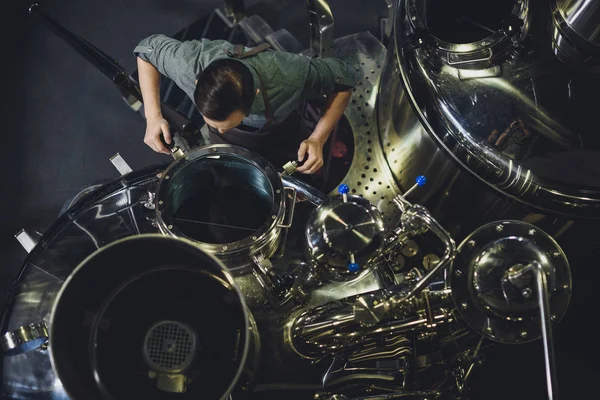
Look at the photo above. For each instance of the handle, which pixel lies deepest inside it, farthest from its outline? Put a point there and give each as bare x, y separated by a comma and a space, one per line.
289, 210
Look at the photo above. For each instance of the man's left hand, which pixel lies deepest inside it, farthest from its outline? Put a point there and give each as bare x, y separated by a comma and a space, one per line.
314, 148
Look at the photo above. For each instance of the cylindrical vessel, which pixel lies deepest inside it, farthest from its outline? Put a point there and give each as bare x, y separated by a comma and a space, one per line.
149, 316
576, 32
229, 201
342, 235
473, 97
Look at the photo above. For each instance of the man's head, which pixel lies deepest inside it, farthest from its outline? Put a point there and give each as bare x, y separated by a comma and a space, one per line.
224, 93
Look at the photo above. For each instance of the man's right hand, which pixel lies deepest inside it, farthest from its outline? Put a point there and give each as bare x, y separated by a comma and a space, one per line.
155, 128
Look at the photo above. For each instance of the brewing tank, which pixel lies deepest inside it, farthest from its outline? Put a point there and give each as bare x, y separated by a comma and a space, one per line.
492, 101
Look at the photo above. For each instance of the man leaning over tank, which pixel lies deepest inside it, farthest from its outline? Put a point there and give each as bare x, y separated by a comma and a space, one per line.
247, 96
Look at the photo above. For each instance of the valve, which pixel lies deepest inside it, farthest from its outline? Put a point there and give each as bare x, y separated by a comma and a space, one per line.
400, 200
353, 267
343, 189
420, 181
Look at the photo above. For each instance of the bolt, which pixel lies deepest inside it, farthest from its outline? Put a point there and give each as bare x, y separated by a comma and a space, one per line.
471, 243
499, 228
553, 317
556, 254
464, 306
565, 287
488, 329
166, 176
524, 334
526, 293
273, 216
531, 232
253, 237
458, 272
278, 191
224, 247
160, 202
170, 226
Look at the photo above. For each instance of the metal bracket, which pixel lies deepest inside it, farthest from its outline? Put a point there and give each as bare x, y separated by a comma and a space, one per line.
26, 240
321, 28
235, 9
25, 338
120, 164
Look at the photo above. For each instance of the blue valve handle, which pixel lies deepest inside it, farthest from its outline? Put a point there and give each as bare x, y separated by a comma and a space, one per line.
420, 181
353, 267
343, 189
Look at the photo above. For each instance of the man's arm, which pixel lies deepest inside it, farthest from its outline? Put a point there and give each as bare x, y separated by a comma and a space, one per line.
149, 79
334, 79
336, 104
161, 55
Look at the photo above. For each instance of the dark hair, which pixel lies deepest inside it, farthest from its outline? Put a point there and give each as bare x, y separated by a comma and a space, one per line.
223, 87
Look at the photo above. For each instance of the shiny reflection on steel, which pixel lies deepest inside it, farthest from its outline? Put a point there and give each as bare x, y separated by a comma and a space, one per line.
488, 278
417, 220
24, 339
264, 240
369, 175
477, 54
304, 191
322, 26
543, 293
27, 241
340, 228
576, 37
509, 129
361, 319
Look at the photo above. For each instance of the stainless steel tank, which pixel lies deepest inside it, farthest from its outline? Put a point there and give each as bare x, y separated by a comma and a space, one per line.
480, 97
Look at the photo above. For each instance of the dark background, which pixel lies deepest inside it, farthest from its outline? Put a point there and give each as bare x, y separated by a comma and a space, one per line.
61, 121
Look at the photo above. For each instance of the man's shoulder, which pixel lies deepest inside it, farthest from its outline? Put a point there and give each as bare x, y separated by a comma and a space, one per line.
288, 66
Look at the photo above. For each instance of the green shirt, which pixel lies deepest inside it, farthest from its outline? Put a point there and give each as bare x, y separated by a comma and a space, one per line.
289, 79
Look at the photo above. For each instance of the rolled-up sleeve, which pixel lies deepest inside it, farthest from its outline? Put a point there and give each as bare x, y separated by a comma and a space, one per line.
160, 51
329, 75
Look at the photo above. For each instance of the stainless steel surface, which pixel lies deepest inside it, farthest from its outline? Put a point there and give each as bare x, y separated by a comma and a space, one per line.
496, 306
341, 227
120, 164
100, 357
369, 175
108, 213
304, 191
576, 36
25, 338
218, 179
322, 26
521, 277
493, 100
543, 292
364, 333
26, 240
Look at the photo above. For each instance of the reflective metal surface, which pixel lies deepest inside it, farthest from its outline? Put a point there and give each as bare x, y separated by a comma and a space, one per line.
576, 36
205, 196
401, 321
491, 297
516, 119
369, 175
25, 338
111, 212
113, 299
344, 230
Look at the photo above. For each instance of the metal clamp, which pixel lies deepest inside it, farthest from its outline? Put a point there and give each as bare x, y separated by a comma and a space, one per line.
24, 339
291, 208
